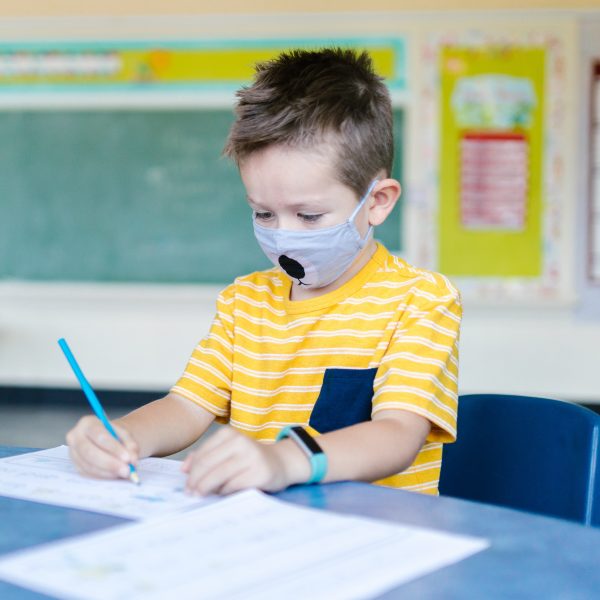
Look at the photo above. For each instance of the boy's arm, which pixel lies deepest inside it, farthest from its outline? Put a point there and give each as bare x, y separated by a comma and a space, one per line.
167, 425
171, 423
372, 450
230, 461
160, 427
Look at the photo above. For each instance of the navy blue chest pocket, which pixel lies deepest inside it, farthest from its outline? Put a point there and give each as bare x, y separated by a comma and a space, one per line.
345, 399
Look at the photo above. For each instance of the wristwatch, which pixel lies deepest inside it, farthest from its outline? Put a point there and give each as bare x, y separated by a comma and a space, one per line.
308, 445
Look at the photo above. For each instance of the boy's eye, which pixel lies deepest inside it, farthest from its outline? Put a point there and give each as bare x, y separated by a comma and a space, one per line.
309, 218
262, 216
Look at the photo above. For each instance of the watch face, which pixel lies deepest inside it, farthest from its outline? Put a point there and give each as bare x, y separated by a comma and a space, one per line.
307, 440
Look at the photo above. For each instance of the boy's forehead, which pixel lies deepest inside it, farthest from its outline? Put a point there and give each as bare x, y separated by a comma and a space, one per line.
318, 155
282, 167
296, 195
305, 177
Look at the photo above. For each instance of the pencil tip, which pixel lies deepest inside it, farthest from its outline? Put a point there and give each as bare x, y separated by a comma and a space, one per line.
135, 478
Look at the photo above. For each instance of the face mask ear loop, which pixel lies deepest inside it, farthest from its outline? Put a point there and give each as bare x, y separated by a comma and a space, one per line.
363, 200
363, 241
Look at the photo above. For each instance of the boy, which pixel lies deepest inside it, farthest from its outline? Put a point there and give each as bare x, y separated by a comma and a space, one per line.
346, 343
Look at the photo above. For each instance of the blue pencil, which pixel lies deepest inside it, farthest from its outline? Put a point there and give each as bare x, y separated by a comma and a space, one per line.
94, 402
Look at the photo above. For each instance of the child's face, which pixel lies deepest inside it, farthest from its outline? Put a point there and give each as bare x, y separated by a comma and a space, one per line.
296, 189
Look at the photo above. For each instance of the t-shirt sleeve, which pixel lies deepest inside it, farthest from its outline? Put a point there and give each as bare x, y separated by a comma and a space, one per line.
419, 371
207, 376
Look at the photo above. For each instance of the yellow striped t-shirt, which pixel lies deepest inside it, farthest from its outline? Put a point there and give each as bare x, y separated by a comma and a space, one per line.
387, 339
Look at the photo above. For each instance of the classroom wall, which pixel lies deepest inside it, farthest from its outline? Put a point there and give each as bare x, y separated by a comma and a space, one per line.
33, 8
139, 336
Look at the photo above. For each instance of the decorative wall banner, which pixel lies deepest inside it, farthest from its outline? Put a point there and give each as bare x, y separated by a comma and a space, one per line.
95, 66
491, 161
428, 239
494, 169
593, 257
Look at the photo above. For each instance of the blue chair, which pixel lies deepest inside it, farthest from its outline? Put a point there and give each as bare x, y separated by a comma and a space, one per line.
532, 454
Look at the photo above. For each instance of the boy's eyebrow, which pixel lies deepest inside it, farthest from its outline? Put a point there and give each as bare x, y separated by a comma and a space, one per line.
251, 201
315, 205
257, 206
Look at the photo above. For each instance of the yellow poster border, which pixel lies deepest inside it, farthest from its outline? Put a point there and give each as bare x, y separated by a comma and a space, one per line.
505, 253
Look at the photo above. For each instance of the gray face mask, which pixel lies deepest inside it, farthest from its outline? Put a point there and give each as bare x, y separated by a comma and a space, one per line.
315, 258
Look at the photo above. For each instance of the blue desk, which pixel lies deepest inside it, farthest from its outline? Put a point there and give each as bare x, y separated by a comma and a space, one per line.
530, 557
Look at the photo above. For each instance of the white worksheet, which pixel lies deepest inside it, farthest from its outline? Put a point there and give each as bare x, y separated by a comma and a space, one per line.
248, 546
49, 476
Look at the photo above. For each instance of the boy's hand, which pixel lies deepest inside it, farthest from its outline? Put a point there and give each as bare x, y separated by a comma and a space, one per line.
230, 461
96, 453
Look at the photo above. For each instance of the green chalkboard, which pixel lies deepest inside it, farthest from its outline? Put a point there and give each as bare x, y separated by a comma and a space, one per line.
128, 195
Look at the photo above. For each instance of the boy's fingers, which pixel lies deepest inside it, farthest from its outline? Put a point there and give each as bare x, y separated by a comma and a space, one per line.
96, 453
94, 468
99, 436
125, 437
212, 481
185, 466
224, 436
205, 460
214, 461
102, 438
241, 481
98, 459
131, 446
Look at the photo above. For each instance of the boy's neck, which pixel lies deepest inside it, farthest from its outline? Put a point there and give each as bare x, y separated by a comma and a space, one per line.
298, 292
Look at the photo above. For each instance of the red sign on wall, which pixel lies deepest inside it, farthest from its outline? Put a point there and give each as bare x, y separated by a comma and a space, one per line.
494, 173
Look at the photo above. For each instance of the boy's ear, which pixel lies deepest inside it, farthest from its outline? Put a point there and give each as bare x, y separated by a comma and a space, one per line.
383, 199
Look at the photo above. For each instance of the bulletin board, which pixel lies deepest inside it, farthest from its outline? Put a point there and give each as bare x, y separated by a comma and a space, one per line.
482, 91
491, 157
167, 65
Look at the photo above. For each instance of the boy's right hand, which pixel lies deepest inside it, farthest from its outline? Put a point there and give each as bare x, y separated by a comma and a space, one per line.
96, 453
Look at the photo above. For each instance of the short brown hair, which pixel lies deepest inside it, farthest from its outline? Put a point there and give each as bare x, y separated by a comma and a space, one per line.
304, 98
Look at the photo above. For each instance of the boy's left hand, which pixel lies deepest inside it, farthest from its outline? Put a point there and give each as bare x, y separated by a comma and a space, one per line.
229, 461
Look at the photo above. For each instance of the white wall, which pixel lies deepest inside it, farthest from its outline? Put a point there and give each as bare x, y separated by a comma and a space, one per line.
139, 338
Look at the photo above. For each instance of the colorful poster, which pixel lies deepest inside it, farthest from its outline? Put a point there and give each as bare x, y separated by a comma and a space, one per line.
491, 161
494, 170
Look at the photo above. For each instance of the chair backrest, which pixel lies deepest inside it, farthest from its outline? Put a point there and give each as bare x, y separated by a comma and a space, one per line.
533, 454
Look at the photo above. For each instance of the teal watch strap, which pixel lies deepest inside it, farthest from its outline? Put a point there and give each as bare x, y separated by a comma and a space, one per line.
308, 445
318, 463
